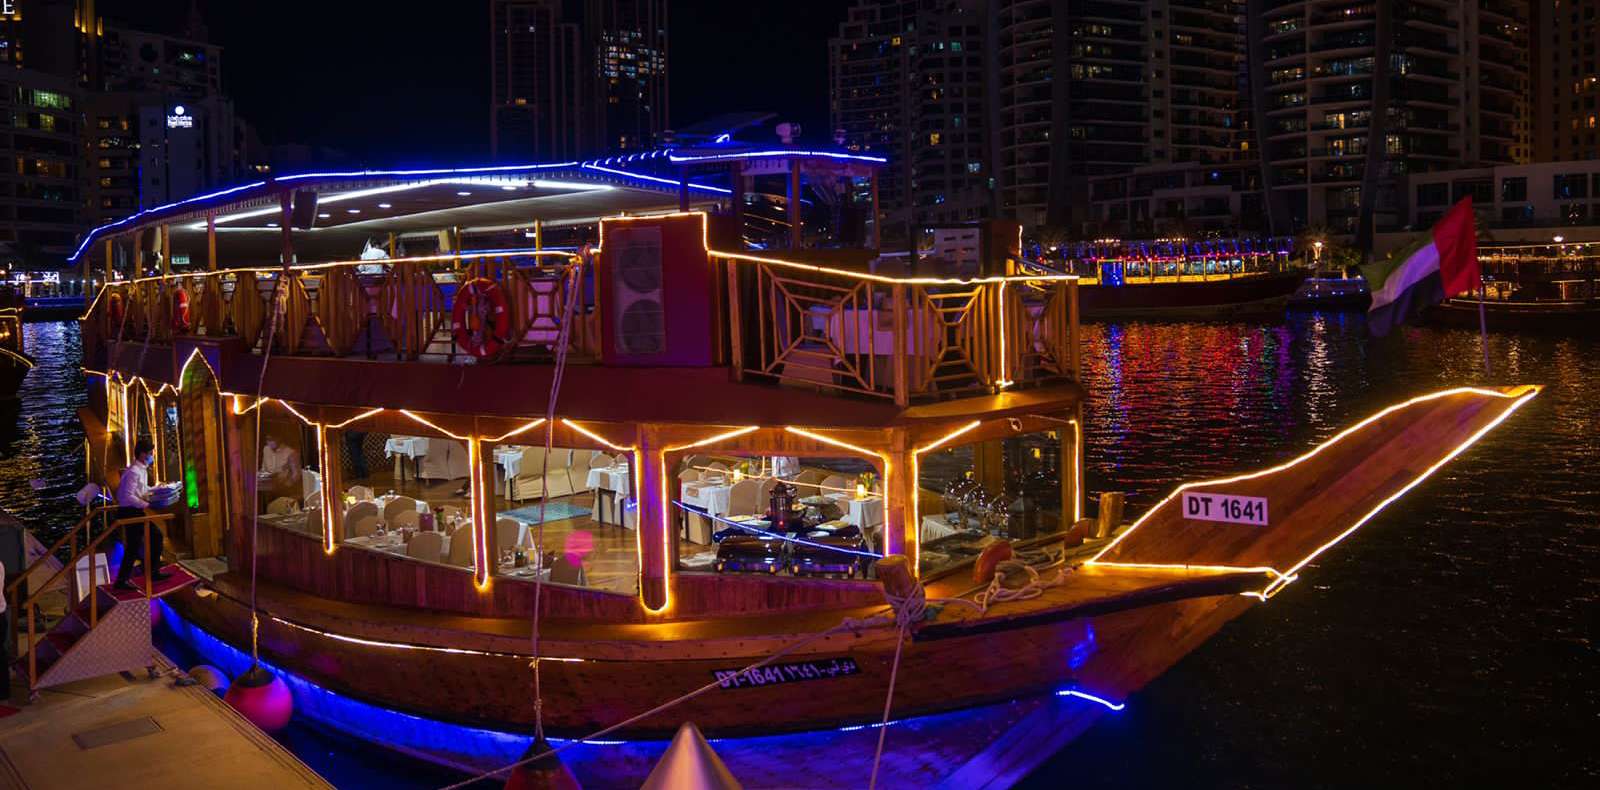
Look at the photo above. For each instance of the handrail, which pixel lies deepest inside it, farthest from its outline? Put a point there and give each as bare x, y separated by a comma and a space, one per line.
50, 552
31, 603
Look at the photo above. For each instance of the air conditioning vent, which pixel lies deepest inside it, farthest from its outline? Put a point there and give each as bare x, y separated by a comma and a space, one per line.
637, 302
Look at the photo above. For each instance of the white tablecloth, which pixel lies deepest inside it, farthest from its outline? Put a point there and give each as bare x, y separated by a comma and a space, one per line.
509, 457
864, 513
410, 446
612, 478
712, 498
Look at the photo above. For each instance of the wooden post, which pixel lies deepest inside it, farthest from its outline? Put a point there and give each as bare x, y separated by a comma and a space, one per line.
332, 485
393, 245
1111, 504
683, 188
1070, 470
111, 261
900, 492
656, 534
899, 579
902, 394
211, 241
166, 250
538, 234
735, 320
794, 204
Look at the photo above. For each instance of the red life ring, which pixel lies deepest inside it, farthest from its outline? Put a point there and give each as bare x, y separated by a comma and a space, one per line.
115, 309
180, 310
482, 322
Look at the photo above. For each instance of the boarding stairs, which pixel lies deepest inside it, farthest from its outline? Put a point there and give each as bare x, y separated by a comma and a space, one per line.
102, 630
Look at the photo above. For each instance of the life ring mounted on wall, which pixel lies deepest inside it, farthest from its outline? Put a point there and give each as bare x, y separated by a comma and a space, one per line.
481, 320
180, 311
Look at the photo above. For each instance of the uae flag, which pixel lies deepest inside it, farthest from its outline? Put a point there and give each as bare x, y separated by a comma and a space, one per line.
1443, 265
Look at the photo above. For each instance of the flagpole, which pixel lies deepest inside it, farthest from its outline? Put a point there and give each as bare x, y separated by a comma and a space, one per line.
1483, 327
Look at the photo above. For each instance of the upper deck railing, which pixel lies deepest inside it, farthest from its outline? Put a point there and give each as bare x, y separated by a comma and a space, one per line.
838, 330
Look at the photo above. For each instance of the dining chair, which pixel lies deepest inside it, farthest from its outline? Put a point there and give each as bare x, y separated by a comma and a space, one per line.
744, 499
281, 506
427, 546
461, 546
359, 493
508, 532
835, 484
403, 519
362, 526
397, 505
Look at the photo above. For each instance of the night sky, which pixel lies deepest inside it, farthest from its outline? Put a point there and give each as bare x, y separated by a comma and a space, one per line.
399, 87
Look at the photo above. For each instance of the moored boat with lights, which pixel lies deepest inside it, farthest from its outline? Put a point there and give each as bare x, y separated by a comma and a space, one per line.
593, 424
1531, 287
1214, 279
14, 360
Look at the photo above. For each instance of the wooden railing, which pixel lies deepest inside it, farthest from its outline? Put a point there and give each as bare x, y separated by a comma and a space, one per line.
83, 540
833, 329
383, 309
899, 338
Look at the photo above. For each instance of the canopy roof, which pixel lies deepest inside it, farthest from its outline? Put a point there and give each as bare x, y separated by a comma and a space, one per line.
355, 207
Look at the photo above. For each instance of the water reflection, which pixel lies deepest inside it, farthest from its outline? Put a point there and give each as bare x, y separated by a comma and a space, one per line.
41, 441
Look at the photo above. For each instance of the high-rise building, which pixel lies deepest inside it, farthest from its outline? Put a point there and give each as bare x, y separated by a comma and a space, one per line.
40, 194
575, 78
908, 80
1566, 79
1359, 95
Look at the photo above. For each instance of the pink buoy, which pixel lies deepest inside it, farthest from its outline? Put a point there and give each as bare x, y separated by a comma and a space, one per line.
545, 773
210, 677
262, 698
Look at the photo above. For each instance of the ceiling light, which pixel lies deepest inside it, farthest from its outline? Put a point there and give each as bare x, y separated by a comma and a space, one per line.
324, 215
464, 194
352, 211
385, 205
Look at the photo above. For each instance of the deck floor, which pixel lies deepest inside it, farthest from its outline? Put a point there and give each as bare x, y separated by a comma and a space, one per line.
140, 733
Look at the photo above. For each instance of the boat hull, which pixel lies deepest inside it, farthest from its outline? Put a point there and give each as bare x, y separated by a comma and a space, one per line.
12, 372
1253, 296
1566, 317
839, 680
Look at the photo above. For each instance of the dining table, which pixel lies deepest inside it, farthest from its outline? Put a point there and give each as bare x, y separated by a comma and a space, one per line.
401, 447
613, 488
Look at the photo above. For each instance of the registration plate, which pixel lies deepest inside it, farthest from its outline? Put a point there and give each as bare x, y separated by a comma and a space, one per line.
1227, 508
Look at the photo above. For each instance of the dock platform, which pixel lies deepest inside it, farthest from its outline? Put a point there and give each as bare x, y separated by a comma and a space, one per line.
130, 731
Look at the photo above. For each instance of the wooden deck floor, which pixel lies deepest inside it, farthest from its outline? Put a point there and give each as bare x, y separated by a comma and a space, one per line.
134, 733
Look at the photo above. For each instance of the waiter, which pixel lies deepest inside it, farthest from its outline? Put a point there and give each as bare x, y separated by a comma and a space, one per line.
133, 496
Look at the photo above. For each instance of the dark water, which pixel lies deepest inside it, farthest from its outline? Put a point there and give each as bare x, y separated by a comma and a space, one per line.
1450, 642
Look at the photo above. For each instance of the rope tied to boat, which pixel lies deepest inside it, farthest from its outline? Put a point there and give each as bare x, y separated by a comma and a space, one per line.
998, 592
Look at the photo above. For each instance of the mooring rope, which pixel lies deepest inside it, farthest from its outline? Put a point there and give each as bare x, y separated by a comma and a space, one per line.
280, 302
908, 611
998, 592
563, 337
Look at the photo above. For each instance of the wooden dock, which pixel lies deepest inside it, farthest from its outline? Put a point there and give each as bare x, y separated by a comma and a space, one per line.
134, 732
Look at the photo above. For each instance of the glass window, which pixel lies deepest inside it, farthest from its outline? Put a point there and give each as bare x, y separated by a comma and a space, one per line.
1575, 185
1514, 189
815, 517
584, 500
1433, 194
969, 494
288, 483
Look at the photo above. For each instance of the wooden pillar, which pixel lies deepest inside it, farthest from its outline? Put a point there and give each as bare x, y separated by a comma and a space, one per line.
1071, 470
111, 261
482, 491
211, 241
394, 243
902, 392
794, 204
683, 188
656, 532
900, 506
538, 234
328, 445
166, 250
735, 321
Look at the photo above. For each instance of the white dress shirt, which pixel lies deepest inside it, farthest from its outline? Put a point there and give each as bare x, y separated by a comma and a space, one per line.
134, 488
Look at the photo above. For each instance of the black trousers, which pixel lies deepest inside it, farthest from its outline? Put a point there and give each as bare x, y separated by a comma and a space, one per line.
133, 548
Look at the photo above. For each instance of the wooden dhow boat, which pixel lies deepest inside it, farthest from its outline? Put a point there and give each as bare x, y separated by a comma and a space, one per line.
416, 480
14, 360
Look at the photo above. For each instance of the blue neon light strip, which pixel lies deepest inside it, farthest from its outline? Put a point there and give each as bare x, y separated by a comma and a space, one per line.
656, 179
777, 152
749, 528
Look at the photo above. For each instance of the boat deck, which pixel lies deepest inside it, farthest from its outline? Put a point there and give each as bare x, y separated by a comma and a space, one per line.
133, 732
